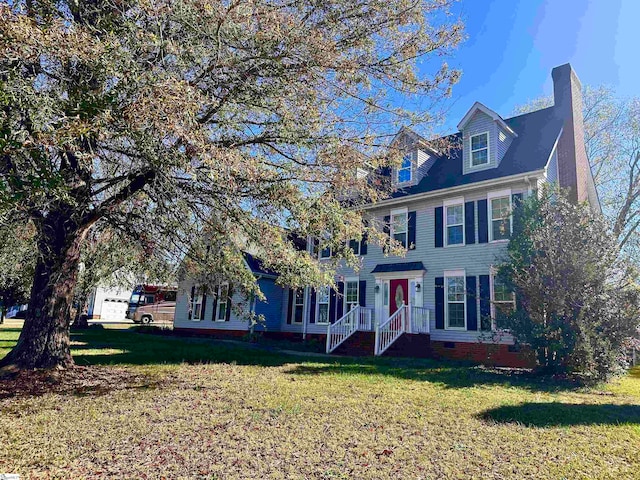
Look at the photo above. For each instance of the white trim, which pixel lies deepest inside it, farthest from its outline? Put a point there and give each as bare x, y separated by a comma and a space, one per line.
492, 277
216, 311
452, 203
344, 303
412, 162
494, 195
487, 111
196, 300
471, 150
453, 190
328, 303
408, 274
399, 211
294, 305
453, 274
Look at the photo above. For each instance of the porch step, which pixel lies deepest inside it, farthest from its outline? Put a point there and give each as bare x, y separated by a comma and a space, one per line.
359, 344
416, 345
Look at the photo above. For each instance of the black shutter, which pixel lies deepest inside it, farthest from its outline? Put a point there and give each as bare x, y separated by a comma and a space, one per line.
469, 223
362, 293
312, 306
440, 302
516, 202
485, 303
386, 228
215, 304
340, 301
363, 244
411, 237
483, 224
204, 304
227, 315
292, 292
332, 306
439, 227
472, 309
193, 292
353, 245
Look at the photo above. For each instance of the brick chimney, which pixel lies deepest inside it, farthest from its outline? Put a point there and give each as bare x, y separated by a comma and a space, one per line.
573, 165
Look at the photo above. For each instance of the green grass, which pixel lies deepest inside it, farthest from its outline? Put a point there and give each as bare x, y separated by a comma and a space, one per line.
168, 407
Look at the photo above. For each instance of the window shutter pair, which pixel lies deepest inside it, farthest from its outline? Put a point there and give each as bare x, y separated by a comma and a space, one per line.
411, 229
471, 307
483, 214
469, 225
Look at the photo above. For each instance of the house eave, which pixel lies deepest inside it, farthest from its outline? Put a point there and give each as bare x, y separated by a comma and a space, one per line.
454, 190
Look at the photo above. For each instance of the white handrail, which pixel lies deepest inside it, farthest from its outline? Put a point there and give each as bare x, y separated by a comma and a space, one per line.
389, 331
342, 329
420, 318
365, 319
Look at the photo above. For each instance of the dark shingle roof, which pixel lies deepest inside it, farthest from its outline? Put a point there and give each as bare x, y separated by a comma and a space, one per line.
398, 267
529, 151
256, 266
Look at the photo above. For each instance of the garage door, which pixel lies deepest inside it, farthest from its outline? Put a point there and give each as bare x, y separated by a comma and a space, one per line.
113, 309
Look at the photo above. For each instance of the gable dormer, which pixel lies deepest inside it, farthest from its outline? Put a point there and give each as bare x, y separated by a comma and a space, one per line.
417, 158
485, 139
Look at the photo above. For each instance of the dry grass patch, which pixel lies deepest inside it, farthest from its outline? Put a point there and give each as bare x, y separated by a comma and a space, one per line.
254, 414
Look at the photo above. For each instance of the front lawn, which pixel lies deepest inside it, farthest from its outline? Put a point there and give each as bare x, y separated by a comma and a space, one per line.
153, 406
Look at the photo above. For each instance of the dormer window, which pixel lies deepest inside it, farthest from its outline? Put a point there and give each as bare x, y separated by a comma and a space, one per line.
480, 149
404, 172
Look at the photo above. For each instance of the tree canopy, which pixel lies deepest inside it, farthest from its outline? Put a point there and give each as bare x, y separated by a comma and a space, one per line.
163, 120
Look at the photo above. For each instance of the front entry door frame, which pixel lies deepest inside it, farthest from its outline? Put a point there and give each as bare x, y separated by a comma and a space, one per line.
383, 291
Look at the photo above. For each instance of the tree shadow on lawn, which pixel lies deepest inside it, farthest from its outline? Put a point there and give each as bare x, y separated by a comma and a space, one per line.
96, 347
145, 349
563, 414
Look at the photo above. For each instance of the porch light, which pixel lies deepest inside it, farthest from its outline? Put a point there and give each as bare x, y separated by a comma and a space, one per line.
377, 288
417, 287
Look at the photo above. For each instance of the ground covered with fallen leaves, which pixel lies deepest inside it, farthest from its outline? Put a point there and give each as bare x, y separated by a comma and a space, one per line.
145, 406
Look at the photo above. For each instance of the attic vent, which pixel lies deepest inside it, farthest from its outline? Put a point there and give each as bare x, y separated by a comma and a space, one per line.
502, 136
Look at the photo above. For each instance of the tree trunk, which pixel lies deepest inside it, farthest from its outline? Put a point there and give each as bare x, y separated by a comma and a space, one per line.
2, 314
44, 340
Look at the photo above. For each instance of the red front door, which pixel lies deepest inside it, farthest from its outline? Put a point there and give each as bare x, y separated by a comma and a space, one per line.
399, 290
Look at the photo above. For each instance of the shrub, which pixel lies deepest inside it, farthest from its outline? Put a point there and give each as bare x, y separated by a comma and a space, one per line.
577, 299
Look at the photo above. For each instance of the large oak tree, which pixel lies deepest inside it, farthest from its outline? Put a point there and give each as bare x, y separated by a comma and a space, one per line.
164, 119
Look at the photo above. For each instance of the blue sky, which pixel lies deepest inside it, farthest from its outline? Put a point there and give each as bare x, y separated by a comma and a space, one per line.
512, 46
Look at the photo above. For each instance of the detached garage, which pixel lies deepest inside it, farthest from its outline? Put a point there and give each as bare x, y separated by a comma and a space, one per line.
108, 304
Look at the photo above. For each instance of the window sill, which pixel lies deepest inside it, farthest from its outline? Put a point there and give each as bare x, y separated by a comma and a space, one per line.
459, 329
455, 245
502, 240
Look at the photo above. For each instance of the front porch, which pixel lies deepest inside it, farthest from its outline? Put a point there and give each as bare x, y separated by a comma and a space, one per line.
377, 336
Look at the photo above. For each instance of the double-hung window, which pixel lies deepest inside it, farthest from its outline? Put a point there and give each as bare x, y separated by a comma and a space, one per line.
503, 301
400, 225
354, 245
298, 305
222, 303
196, 305
500, 210
455, 304
404, 172
351, 290
479, 149
323, 305
455, 221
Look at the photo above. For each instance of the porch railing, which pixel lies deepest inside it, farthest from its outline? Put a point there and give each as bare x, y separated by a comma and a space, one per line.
391, 329
366, 318
342, 329
419, 320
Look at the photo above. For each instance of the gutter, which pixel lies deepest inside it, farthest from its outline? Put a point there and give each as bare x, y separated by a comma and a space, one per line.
459, 188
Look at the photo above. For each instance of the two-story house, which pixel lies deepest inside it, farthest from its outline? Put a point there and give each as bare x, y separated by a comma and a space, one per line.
453, 212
